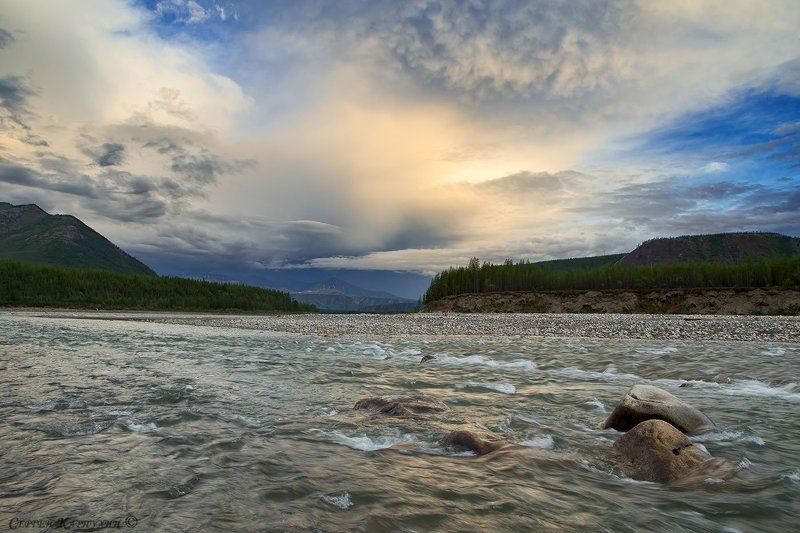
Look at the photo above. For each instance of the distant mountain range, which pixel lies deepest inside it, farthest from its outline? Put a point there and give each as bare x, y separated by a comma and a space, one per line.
30, 235
337, 295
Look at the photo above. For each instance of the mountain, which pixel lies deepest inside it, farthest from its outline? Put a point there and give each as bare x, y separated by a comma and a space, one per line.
724, 248
409, 285
334, 294
577, 263
28, 234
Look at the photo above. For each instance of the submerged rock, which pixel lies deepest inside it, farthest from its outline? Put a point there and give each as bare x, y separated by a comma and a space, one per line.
657, 451
426, 358
479, 442
644, 402
402, 405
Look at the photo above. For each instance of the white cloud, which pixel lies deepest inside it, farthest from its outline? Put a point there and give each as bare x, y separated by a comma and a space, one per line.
714, 166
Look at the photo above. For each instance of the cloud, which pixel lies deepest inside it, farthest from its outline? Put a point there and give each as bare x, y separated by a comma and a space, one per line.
14, 93
107, 154
714, 166
20, 175
409, 135
525, 183
182, 11
14, 111
6, 39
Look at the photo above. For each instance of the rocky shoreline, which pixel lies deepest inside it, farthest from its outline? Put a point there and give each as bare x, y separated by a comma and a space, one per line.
742, 301
617, 326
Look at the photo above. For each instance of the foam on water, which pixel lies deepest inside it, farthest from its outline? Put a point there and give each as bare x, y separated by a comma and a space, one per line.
657, 350
753, 387
343, 501
505, 388
597, 404
520, 365
246, 421
365, 442
793, 477
544, 442
609, 374
728, 436
136, 427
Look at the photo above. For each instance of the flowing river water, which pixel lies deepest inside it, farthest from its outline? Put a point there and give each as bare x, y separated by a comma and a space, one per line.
172, 427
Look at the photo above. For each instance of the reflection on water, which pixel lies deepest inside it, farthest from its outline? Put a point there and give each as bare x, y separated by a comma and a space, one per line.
187, 427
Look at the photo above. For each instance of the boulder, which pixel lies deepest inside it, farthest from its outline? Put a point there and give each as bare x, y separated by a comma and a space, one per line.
657, 451
401, 405
644, 402
479, 442
426, 358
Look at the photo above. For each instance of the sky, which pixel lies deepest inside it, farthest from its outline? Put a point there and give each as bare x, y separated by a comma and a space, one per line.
245, 137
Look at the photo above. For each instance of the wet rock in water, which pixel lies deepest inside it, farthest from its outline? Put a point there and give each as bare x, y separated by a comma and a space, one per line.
657, 451
644, 402
479, 442
402, 406
426, 358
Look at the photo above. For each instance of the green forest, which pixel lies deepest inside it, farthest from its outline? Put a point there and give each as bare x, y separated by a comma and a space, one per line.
525, 276
31, 285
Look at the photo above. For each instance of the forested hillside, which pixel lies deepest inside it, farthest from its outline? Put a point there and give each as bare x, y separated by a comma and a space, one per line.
533, 277
54, 286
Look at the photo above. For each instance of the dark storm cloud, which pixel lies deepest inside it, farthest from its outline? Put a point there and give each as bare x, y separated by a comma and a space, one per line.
105, 155
673, 205
241, 241
195, 165
107, 195
19, 175
113, 194
202, 169
5, 38
112, 154
14, 94
165, 145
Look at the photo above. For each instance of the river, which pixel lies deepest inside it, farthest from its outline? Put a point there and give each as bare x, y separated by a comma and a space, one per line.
176, 427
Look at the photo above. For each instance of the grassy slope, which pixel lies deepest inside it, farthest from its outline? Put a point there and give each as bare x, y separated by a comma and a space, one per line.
25, 285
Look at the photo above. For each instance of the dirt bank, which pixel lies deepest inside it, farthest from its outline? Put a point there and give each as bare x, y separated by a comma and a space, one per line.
782, 301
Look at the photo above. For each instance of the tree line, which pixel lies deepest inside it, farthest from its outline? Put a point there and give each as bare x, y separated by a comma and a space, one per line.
34, 285
526, 276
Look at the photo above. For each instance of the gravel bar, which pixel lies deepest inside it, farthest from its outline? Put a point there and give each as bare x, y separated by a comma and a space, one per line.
620, 326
